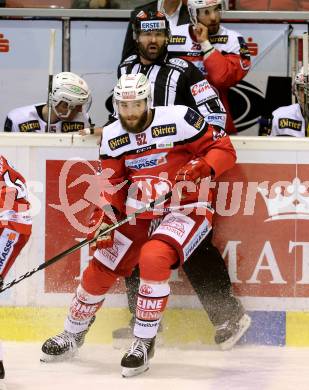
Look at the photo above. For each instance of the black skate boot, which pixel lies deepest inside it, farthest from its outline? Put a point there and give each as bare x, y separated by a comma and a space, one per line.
135, 361
2, 375
63, 346
231, 331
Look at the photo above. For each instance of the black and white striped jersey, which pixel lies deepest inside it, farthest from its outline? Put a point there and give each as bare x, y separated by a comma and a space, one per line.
175, 81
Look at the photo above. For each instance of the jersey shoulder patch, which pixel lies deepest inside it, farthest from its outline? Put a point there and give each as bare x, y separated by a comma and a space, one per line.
29, 126
67, 127
130, 59
194, 119
289, 123
178, 62
243, 48
219, 39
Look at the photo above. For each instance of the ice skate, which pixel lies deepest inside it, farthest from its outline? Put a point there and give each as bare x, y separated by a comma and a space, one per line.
231, 331
63, 346
135, 361
123, 336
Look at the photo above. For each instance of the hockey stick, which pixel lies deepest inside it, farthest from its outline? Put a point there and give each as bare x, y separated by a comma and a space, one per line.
306, 80
75, 247
50, 76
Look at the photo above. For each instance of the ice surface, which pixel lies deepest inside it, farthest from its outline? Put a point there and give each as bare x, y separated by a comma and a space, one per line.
98, 368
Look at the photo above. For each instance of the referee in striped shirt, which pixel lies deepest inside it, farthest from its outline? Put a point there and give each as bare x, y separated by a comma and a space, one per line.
174, 80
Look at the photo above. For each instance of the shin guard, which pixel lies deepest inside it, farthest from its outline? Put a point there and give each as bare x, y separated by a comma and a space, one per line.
82, 309
151, 302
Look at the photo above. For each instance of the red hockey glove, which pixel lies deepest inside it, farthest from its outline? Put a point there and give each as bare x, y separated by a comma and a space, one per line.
103, 242
193, 171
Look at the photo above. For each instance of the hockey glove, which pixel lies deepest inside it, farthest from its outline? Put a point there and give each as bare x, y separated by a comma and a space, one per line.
105, 241
193, 171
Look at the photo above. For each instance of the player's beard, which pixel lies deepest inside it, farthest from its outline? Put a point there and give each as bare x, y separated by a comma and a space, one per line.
138, 127
213, 29
146, 53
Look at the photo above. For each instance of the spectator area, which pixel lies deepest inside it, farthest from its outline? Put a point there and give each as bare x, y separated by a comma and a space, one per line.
38, 3
124, 4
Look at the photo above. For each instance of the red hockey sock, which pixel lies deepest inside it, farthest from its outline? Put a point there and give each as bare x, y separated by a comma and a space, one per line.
82, 309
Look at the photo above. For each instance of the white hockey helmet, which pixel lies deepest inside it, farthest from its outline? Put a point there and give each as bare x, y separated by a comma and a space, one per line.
299, 83
194, 5
70, 88
132, 87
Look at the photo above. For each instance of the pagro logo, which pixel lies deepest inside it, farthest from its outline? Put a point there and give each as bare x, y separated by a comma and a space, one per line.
4, 44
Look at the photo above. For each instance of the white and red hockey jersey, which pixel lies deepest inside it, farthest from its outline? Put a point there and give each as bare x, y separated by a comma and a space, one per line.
144, 165
14, 204
29, 119
288, 121
223, 68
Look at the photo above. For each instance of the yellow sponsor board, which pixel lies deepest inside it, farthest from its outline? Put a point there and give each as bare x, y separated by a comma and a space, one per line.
297, 326
181, 326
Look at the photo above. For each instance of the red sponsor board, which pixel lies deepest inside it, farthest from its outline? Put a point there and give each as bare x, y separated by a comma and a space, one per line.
261, 228
265, 240
60, 233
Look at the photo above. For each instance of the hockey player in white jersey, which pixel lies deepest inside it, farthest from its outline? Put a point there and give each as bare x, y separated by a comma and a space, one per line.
220, 53
149, 152
71, 100
289, 120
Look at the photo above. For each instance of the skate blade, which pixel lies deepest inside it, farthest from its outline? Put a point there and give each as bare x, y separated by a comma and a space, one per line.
244, 324
67, 356
129, 372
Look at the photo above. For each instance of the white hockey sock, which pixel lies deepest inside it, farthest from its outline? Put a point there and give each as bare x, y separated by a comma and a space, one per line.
151, 302
1, 351
82, 309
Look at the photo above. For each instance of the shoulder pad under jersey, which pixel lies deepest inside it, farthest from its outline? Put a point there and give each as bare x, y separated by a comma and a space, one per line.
130, 59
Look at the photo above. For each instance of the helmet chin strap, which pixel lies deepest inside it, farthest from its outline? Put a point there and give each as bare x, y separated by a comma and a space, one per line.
70, 109
193, 15
62, 116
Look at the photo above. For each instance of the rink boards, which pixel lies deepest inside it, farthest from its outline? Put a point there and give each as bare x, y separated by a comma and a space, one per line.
261, 231
181, 326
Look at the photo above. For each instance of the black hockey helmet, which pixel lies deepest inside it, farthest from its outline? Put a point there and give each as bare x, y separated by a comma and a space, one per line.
150, 21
